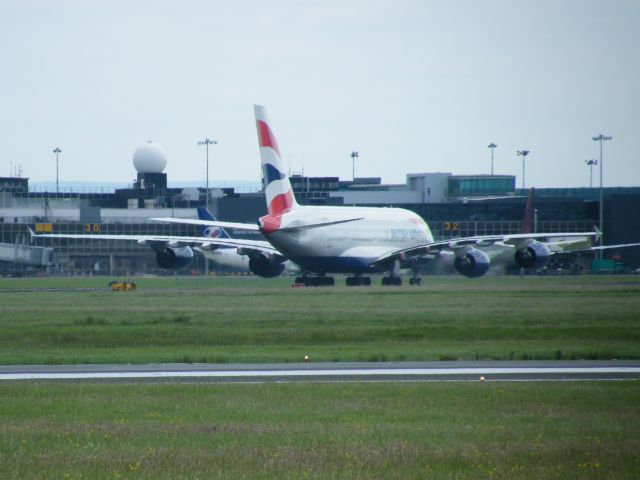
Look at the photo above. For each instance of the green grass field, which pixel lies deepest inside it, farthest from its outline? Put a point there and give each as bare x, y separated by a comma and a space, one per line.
585, 430
456, 430
255, 320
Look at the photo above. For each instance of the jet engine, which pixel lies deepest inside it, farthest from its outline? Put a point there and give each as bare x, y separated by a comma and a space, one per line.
267, 266
533, 255
174, 258
474, 263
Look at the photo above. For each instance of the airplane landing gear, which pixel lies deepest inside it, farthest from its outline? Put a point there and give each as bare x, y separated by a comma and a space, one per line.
358, 281
393, 280
319, 281
326, 281
415, 280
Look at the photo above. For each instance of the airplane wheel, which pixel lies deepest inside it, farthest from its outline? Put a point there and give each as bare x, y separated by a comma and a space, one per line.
396, 281
358, 281
328, 281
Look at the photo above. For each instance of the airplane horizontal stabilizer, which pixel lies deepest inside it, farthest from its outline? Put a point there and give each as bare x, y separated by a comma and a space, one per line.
212, 223
306, 226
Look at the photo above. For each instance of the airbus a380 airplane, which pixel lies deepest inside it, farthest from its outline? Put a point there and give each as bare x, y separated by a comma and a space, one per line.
362, 240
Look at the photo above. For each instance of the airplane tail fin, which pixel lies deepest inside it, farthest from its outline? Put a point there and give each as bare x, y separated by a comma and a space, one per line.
277, 188
527, 221
211, 231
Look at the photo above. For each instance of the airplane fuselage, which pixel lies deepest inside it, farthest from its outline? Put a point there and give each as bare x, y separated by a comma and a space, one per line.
348, 247
228, 258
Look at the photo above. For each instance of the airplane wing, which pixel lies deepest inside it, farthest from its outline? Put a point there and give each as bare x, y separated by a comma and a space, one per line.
622, 245
211, 223
557, 242
205, 243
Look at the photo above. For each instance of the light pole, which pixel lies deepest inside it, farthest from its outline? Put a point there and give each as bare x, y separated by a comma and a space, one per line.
523, 154
206, 142
590, 164
601, 138
492, 146
57, 151
354, 155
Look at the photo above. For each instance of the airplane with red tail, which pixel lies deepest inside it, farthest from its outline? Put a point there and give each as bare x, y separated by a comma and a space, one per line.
359, 241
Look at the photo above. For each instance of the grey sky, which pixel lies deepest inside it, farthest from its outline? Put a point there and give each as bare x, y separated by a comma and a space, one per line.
414, 86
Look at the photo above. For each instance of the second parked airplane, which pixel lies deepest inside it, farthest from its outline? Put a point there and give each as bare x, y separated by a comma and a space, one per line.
228, 257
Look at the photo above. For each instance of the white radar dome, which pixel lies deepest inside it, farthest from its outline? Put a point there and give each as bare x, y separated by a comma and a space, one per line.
149, 158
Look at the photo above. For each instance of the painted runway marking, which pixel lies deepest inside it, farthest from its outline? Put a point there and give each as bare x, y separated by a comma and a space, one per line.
380, 372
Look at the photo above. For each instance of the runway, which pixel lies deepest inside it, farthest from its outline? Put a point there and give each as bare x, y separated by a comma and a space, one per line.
330, 372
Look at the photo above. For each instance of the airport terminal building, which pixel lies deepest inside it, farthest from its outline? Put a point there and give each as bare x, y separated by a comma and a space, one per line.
452, 205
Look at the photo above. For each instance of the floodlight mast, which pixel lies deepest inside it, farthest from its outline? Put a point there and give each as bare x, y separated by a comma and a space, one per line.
206, 142
492, 146
601, 138
523, 154
590, 164
354, 155
57, 151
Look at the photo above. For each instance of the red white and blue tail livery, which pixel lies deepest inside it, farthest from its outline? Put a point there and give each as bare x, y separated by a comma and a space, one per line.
277, 188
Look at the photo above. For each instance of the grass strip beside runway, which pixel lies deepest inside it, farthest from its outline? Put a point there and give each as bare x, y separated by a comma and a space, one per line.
402, 430
232, 320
